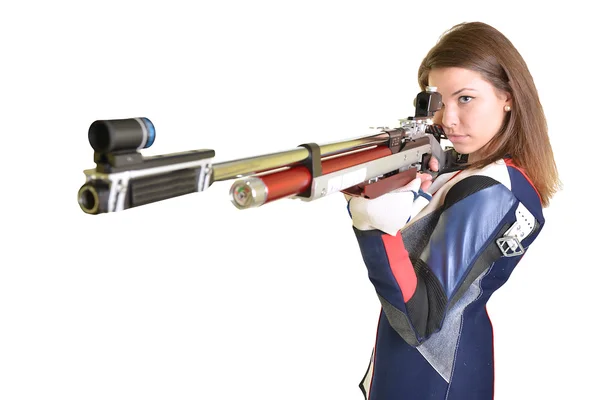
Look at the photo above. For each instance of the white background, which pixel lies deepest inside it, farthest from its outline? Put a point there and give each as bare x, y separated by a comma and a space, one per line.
193, 299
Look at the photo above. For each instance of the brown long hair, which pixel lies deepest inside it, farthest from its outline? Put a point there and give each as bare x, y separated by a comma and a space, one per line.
524, 133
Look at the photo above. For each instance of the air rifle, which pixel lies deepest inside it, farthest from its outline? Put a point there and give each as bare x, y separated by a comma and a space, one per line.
367, 166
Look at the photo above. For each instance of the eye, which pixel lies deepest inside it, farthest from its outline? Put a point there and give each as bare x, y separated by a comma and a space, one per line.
465, 99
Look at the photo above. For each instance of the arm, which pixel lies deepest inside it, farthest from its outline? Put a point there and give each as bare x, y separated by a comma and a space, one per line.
421, 272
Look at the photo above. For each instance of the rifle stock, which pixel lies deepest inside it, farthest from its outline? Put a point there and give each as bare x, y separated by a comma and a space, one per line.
365, 166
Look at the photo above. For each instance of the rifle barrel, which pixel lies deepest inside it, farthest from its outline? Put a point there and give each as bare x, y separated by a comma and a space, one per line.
253, 165
259, 190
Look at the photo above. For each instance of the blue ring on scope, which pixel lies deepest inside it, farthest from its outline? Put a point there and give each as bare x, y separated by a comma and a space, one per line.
151, 132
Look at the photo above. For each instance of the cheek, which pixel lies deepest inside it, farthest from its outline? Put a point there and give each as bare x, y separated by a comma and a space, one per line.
485, 121
492, 120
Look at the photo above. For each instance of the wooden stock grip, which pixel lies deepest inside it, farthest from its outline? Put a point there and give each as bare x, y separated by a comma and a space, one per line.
383, 186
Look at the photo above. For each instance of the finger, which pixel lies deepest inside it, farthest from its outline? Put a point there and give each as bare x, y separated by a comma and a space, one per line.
424, 176
434, 164
425, 185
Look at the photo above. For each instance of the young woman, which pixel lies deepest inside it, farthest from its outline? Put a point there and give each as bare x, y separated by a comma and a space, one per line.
437, 249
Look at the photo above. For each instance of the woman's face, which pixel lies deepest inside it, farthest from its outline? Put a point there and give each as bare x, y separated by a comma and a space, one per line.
473, 109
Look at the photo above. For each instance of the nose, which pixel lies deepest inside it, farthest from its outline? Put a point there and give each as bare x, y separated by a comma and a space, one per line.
449, 117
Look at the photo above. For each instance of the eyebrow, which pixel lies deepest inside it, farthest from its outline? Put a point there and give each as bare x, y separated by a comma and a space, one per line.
458, 91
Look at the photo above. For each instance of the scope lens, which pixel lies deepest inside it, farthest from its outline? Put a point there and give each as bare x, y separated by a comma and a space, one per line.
151, 132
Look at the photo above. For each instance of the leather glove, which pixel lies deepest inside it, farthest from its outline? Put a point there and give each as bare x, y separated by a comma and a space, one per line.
389, 212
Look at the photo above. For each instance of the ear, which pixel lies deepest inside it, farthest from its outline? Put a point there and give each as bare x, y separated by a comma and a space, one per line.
508, 101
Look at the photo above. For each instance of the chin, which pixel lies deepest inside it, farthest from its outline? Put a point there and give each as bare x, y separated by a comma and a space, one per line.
461, 149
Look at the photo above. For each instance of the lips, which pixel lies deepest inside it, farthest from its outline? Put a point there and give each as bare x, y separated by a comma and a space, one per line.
457, 138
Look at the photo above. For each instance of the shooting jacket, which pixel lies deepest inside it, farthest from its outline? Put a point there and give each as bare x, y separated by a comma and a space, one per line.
434, 277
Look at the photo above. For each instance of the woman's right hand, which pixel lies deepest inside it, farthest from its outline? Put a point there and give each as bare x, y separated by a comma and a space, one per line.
427, 179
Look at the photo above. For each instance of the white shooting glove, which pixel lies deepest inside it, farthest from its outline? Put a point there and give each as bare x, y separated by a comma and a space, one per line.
389, 212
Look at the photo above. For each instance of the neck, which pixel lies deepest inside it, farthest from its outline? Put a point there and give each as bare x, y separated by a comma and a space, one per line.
474, 157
